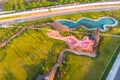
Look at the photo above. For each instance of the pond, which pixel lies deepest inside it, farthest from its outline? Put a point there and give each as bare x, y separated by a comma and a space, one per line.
88, 23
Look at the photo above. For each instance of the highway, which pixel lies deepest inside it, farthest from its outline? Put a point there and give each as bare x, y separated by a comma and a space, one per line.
117, 77
62, 11
114, 73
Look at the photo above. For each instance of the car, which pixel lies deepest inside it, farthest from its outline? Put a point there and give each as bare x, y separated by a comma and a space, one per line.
19, 20
5, 24
1, 24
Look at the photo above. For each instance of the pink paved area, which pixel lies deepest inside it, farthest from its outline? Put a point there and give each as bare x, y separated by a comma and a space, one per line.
84, 45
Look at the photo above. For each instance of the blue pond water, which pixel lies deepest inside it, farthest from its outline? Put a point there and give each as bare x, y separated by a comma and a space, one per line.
89, 23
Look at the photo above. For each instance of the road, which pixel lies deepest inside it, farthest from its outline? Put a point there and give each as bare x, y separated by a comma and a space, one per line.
56, 12
0, 7
114, 73
117, 77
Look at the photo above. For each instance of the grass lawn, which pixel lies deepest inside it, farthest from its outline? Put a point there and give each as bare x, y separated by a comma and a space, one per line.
5, 33
86, 68
33, 52
26, 51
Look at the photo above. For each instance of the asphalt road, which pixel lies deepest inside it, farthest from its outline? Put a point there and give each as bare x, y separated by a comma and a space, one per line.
117, 77
0, 7
114, 73
60, 12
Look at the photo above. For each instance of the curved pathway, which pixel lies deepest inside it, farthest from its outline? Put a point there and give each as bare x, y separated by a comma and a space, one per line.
50, 75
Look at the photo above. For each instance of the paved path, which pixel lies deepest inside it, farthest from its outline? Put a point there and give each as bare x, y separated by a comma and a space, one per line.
112, 35
4, 43
50, 75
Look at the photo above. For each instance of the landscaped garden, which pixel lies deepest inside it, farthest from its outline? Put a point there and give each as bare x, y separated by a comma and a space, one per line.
33, 52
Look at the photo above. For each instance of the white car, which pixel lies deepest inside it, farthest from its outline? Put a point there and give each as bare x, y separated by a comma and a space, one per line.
19, 20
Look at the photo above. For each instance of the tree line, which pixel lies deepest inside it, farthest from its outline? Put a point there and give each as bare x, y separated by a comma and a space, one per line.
21, 5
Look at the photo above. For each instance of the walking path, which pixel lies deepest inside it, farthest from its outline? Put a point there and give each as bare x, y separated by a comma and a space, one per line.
50, 75
112, 35
4, 43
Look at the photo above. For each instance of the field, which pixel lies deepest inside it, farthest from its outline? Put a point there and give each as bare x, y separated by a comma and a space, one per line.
33, 52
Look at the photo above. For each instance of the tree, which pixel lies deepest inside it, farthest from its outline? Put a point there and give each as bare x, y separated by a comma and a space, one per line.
22, 6
16, 8
44, 0
28, 4
60, 1
4, 7
33, 5
10, 7
7, 7
38, 4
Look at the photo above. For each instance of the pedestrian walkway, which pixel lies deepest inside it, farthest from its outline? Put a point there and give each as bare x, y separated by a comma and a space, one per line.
112, 35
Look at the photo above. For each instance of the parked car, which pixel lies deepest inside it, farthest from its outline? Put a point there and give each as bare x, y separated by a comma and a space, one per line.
0, 24
19, 20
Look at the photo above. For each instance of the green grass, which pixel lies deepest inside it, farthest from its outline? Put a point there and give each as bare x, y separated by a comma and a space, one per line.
26, 50
86, 68
9, 17
5, 33
33, 52
104, 76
